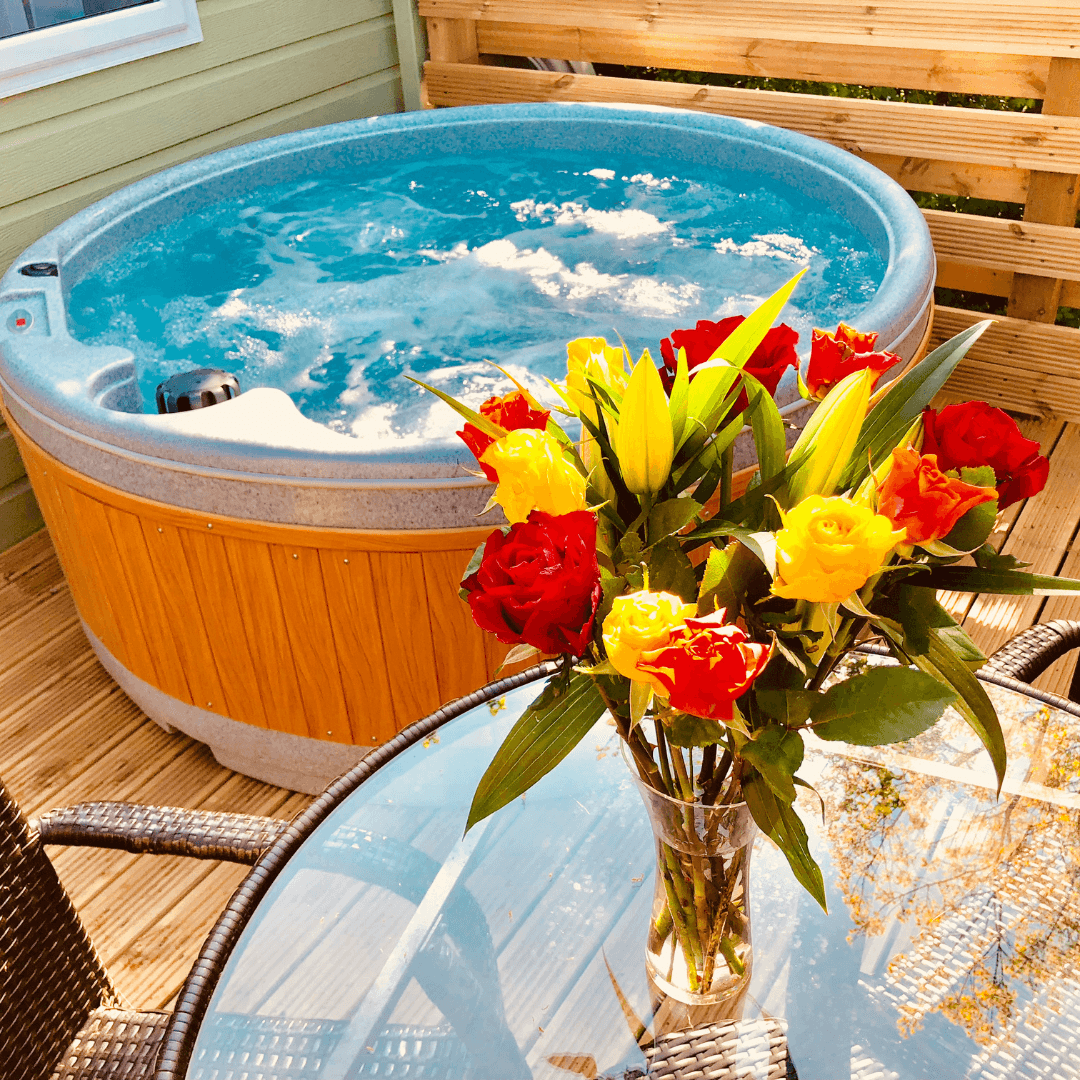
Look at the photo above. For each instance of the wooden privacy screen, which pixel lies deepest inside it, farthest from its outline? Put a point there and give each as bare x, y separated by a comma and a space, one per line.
335, 634
1021, 48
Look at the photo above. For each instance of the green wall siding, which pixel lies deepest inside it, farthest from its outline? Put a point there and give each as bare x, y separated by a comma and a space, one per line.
264, 67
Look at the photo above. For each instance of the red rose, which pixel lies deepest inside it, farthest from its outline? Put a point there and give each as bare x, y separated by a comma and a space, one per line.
707, 666
974, 433
918, 497
511, 411
539, 583
767, 363
835, 356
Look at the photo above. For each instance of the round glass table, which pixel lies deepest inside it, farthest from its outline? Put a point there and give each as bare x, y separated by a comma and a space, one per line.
390, 944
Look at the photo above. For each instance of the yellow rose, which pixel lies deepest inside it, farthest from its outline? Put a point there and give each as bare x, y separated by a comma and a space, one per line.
828, 548
534, 475
638, 627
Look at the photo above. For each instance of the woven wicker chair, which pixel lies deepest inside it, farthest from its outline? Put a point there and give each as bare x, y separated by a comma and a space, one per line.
60, 1016
1032, 651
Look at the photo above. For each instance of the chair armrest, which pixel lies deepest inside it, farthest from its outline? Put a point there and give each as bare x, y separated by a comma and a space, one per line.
159, 830
1032, 651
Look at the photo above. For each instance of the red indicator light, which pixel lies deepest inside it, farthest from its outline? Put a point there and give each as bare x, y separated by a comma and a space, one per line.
20, 322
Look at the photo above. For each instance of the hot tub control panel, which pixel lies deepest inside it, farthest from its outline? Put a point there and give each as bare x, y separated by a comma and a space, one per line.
26, 316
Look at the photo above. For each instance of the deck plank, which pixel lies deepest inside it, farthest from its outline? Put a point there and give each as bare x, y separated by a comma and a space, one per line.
69, 734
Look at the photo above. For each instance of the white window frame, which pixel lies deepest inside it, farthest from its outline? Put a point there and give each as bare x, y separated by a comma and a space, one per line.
79, 46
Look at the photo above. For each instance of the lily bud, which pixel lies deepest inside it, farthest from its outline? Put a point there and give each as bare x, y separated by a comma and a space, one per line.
830, 437
644, 443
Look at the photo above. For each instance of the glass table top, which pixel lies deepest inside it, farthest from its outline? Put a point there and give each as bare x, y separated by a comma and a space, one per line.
390, 941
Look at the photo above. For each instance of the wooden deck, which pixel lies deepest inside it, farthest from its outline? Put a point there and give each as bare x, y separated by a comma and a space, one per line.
69, 734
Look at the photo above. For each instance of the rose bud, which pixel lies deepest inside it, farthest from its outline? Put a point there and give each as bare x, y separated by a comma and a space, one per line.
919, 498
539, 583
511, 411
972, 434
708, 665
835, 356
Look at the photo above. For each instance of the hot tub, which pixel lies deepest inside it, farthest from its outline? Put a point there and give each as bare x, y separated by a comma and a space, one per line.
283, 586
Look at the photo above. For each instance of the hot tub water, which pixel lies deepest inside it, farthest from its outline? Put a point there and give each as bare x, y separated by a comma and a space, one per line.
333, 289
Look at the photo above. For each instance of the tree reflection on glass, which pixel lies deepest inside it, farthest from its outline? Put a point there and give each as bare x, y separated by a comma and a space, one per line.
976, 898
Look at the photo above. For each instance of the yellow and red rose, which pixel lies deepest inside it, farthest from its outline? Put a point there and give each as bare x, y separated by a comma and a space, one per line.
835, 356
638, 627
534, 474
510, 411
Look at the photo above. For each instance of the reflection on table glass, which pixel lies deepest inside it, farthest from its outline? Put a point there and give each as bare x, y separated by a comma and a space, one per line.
518, 950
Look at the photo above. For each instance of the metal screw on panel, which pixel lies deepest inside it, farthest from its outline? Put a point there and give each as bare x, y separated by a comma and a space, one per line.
346, 562
209, 524
209, 704
295, 556
160, 529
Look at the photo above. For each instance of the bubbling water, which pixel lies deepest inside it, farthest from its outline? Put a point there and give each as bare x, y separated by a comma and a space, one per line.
335, 289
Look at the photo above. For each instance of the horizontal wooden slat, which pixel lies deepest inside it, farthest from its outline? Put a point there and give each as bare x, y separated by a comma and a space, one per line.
914, 68
1030, 367
953, 177
1024, 247
68, 148
232, 30
24, 222
1016, 140
1006, 26
977, 279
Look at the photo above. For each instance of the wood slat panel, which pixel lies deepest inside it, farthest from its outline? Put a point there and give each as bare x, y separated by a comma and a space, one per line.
360, 649
111, 133
1030, 367
232, 30
954, 178
816, 61
459, 643
25, 221
139, 573
997, 244
306, 614
994, 282
399, 591
193, 651
1015, 140
251, 578
1005, 26
226, 633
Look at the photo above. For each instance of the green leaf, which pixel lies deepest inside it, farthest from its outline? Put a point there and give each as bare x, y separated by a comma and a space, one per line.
547, 731
988, 558
790, 707
974, 579
482, 422
974, 527
762, 544
893, 415
474, 565
677, 402
687, 730
884, 705
740, 344
979, 476
706, 395
670, 570
668, 517
782, 825
641, 695
973, 704
918, 611
770, 436
776, 753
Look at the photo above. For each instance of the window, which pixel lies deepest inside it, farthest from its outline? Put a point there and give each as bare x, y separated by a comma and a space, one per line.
44, 41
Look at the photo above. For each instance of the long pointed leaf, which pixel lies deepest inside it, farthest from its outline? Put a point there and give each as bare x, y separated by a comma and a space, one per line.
680, 393
887, 422
740, 344
482, 422
536, 744
974, 579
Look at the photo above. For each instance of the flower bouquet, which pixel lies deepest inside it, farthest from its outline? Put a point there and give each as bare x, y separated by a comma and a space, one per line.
707, 616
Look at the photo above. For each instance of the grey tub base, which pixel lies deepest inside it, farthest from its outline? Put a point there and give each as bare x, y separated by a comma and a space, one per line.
275, 757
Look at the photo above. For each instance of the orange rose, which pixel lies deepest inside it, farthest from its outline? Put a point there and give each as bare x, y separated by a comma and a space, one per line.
919, 497
708, 665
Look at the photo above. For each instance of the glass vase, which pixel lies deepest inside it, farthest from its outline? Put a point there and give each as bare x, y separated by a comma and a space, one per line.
698, 954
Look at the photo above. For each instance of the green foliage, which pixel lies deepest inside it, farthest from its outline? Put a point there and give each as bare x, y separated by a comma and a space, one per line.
884, 705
